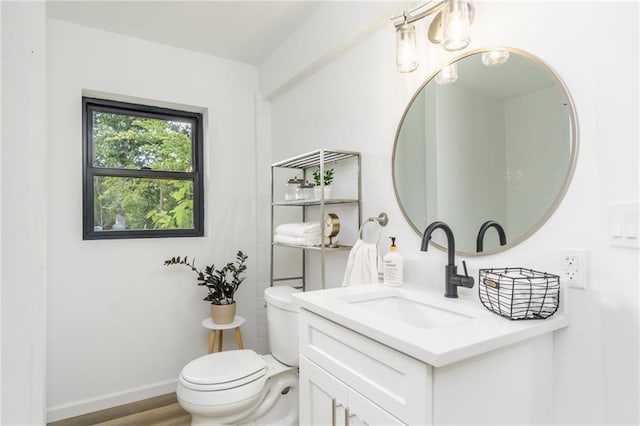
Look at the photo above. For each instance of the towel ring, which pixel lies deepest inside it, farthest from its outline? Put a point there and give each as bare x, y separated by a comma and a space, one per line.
380, 221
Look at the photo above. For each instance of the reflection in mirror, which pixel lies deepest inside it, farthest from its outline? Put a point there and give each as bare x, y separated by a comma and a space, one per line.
498, 144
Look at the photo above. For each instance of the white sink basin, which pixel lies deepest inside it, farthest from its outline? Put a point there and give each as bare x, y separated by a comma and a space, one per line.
413, 313
400, 306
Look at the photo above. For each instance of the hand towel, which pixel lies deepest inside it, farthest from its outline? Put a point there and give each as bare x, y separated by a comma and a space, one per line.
362, 265
303, 229
312, 240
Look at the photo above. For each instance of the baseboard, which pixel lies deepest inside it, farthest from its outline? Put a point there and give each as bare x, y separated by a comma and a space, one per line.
113, 401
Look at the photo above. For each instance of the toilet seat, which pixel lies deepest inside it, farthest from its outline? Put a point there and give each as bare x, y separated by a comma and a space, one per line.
223, 370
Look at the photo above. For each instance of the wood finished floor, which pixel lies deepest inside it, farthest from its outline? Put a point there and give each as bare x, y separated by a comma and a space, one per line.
169, 415
162, 410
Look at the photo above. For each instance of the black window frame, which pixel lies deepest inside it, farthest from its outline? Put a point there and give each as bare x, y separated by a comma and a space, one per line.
89, 105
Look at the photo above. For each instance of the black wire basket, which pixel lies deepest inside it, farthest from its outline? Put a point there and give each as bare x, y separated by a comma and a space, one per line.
519, 293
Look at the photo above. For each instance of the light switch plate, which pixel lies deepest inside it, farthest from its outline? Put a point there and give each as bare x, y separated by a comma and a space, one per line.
624, 225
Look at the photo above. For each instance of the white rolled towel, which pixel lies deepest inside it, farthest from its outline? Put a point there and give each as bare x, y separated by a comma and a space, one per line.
313, 240
304, 229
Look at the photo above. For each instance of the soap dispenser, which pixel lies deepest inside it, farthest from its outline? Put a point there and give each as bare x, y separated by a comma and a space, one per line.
392, 265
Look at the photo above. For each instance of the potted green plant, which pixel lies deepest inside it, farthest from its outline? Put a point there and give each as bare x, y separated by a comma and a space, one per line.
326, 179
221, 284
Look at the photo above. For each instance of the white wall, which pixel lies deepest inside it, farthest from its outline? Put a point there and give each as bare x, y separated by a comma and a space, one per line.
356, 100
411, 158
263, 214
24, 219
122, 325
349, 23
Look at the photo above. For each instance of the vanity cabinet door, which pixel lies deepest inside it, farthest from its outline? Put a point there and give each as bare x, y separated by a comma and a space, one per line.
322, 397
364, 412
325, 400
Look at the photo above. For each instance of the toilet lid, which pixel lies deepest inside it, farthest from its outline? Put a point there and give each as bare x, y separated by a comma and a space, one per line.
223, 370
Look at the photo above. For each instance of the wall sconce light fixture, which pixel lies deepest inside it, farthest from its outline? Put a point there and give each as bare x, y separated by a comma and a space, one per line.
449, 28
406, 53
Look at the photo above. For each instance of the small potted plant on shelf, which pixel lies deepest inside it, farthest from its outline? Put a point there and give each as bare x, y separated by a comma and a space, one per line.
221, 284
326, 179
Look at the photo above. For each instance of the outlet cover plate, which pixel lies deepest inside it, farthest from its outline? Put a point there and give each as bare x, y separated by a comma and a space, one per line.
573, 267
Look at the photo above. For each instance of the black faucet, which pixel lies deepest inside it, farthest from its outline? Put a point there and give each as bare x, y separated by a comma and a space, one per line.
483, 229
451, 279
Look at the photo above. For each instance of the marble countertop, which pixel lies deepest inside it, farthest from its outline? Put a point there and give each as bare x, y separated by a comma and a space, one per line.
473, 331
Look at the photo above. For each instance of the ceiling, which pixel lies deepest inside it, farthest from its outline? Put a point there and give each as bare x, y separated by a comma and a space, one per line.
243, 31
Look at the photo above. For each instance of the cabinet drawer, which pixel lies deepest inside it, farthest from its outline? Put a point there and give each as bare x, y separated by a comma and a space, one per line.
398, 383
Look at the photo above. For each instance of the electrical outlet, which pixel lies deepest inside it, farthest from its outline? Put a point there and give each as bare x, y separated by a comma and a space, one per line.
573, 268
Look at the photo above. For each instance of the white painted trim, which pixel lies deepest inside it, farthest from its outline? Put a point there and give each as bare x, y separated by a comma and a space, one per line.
142, 101
91, 405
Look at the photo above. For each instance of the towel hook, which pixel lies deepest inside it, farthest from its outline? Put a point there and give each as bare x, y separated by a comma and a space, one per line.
380, 221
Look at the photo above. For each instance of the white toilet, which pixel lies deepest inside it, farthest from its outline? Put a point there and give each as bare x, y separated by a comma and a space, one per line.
242, 387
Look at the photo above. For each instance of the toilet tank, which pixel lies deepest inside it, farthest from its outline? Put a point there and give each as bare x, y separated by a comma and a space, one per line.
282, 324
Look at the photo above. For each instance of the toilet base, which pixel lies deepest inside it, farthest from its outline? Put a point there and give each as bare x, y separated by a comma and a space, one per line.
283, 413
276, 404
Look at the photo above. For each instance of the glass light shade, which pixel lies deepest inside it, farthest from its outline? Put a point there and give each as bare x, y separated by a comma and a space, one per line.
492, 58
447, 75
455, 22
406, 53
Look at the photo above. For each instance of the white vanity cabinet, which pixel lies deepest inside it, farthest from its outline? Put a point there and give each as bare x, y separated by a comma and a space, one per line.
344, 375
347, 378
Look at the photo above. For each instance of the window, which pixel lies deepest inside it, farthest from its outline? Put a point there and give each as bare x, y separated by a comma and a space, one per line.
142, 171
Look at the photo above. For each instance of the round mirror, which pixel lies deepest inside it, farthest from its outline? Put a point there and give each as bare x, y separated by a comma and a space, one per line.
487, 145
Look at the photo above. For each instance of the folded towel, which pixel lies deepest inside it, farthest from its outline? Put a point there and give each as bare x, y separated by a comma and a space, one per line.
313, 240
362, 265
303, 229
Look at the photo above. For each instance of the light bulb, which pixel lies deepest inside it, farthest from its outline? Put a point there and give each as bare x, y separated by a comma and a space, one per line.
447, 75
406, 53
455, 21
491, 58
